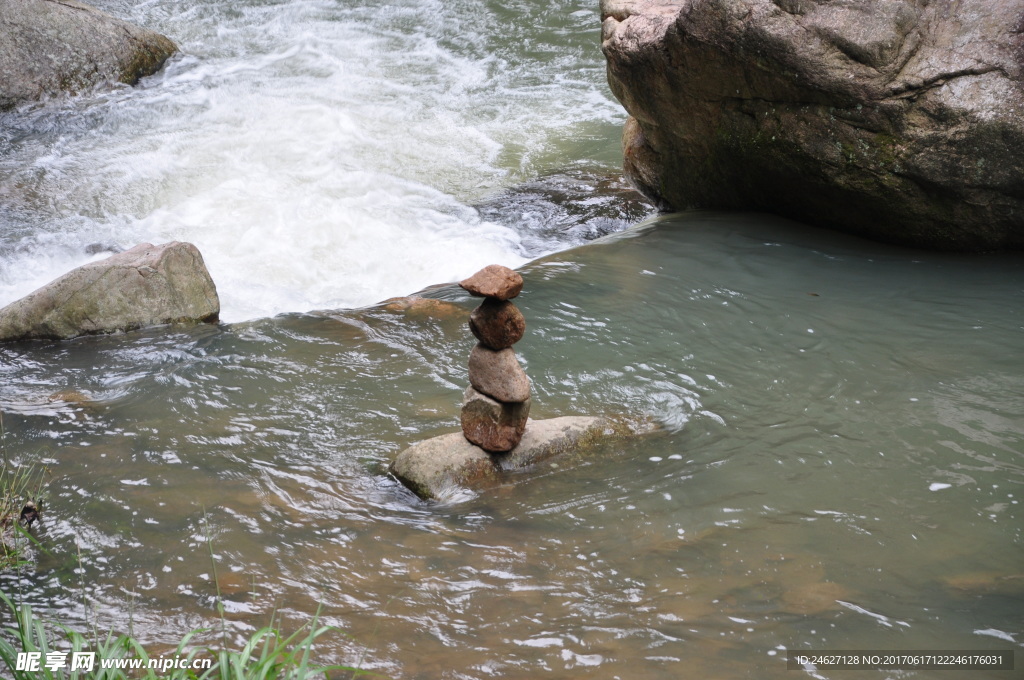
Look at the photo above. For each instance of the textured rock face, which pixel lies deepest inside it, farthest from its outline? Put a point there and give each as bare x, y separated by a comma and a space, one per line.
496, 324
494, 281
438, 467
492, 425
144, 286
498, 374
50, 46
900, 120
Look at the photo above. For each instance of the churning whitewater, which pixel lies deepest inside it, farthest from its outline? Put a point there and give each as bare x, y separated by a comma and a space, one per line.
319, 154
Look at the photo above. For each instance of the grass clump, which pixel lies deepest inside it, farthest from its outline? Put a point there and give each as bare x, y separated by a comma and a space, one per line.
266, 656
19, 492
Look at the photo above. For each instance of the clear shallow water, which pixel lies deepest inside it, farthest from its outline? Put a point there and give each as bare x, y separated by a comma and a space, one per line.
840, 466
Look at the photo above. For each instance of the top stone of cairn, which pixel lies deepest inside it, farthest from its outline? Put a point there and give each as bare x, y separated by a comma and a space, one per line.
494, 281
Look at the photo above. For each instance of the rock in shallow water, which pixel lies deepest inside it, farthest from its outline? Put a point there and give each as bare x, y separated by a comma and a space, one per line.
498, 374
439, 467
145, 286
894, 119
568, 207
435, 468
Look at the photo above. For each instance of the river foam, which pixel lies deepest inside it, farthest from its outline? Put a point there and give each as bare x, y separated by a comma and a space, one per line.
320, 154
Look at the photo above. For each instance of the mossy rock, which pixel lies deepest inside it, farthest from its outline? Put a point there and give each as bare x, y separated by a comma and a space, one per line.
49, 48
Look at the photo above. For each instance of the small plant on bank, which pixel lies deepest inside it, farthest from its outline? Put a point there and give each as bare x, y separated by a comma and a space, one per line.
19, 492
266, 656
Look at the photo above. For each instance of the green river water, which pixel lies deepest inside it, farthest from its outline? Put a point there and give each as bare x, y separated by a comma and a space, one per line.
839, 462
839, 465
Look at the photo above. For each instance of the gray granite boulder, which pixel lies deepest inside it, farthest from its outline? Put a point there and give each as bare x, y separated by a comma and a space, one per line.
438, 468
48, 47
145, 286
899, 120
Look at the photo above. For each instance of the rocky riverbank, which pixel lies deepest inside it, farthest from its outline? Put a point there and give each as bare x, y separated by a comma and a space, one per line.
895, 120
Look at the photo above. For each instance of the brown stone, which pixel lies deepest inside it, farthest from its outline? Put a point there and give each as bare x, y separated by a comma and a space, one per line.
494, 281
497, 324
417, 306
498, 374
493, 425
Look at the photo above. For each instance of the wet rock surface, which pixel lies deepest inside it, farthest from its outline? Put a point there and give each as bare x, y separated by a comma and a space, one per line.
494, 281
493, 425
575, 204
497, 324
145, 286
498, 374
895, 120
49, 47
440, 467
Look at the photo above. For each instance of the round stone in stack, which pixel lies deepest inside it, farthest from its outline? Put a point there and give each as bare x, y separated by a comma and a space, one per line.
498, 374
497, 324
494, 281
493, 425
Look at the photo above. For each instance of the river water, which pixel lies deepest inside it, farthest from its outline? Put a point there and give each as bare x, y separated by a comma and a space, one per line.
839, 461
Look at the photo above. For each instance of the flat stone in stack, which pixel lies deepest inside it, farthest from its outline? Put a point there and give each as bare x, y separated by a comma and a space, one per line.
498, 374
494, 281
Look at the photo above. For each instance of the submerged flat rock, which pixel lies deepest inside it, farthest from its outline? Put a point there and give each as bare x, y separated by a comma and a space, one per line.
438, 468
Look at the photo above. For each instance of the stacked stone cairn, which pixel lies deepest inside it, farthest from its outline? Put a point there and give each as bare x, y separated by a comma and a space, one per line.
497, 401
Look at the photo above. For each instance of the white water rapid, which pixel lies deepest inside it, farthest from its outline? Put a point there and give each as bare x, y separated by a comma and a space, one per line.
320, 154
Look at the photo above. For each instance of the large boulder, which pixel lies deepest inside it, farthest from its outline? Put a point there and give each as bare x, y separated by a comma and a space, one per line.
900, 120
53, 46
145, 286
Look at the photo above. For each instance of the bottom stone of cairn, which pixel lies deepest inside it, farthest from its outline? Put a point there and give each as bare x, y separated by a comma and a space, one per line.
493, 425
